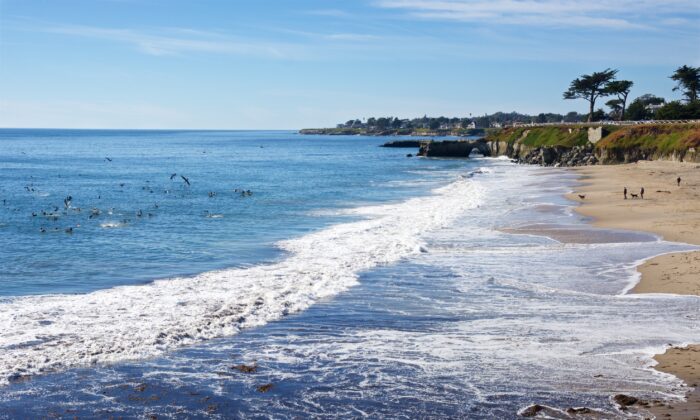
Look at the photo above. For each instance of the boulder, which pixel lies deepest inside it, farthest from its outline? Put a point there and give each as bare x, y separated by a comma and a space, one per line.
531, 411
624, 401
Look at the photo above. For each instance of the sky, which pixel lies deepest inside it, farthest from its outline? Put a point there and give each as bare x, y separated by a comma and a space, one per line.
289, 64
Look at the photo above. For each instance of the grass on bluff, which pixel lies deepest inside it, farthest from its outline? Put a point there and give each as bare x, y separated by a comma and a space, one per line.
653, 138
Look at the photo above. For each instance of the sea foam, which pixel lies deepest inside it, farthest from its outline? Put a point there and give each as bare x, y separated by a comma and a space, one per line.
54, 332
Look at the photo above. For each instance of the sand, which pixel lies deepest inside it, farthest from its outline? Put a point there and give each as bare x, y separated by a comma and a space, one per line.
672, 212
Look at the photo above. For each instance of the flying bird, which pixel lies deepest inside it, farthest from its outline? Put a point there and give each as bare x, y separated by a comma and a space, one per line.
108, 159
172, 176
187, 181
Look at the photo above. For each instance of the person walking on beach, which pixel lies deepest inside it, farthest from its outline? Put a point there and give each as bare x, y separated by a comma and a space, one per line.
625, 193
678, 181
641, 193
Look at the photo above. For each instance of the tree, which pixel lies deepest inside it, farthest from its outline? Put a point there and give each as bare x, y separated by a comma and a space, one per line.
639, 109
676, 110
572, 116
620, 88
688, 79
598, 115
590, 87
616, 107
382, 123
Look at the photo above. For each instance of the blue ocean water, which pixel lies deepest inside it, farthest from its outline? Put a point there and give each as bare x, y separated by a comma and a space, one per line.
359, 282
182, 230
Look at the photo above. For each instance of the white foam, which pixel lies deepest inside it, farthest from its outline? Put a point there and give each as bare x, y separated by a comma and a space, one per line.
111, 225
43, 333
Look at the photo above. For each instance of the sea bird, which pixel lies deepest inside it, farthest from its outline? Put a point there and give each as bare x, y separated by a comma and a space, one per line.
172, 176
582, 197
108, 159
187, 181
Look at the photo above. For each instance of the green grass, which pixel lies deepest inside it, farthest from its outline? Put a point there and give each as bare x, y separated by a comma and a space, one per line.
655, 138
543, 136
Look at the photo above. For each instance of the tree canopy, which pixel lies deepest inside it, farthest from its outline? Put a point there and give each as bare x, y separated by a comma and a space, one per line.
688, 79
621, 89
640, 109
590, 87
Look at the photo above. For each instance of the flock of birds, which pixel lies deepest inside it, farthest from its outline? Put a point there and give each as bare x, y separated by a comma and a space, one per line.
54, 213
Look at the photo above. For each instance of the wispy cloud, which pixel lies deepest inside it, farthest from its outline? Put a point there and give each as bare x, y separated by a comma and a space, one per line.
330, 13
357, 37
177, 41
619, 14
352, 37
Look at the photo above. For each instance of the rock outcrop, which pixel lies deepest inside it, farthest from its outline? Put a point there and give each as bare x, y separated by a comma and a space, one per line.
560, 156
454, 148
402, 143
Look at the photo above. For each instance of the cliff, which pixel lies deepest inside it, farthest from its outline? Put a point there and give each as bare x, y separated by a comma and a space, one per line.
579, 145
679, 142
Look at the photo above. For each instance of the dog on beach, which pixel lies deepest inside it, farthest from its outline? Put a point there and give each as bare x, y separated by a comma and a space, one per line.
635, 195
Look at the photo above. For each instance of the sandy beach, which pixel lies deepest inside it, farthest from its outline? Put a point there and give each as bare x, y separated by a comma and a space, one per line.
671, 211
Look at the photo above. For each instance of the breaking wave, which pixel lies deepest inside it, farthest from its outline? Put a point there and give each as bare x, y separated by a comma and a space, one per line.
54, 332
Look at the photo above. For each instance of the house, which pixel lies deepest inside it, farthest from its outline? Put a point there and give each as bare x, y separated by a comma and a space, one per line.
653, 107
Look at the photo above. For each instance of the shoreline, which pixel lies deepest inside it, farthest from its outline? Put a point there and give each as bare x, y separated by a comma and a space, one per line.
673, 213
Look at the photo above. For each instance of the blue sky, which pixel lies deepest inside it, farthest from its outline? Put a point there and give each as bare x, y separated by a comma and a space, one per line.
304, 63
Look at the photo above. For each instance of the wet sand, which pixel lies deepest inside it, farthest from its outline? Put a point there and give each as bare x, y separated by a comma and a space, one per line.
668, 210
579, 235
685, 364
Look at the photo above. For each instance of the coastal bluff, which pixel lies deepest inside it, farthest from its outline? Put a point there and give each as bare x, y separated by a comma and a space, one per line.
606, 144
579, 145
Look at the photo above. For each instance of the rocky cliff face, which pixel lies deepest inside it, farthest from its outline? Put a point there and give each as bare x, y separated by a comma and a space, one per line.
615, 155
559, 156
557, 146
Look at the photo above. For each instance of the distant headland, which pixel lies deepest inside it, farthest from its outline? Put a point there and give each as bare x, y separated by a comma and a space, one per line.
440, 126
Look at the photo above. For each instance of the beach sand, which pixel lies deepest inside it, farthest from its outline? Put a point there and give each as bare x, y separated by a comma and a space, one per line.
667, 210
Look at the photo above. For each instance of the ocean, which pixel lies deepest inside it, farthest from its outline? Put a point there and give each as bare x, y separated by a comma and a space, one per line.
140, 268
